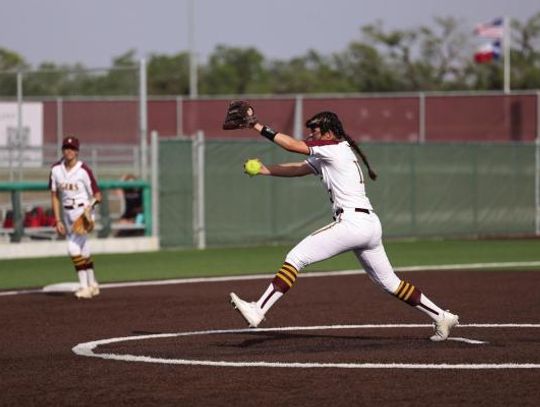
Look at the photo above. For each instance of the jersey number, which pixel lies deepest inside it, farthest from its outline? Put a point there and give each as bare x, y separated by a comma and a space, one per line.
359, 172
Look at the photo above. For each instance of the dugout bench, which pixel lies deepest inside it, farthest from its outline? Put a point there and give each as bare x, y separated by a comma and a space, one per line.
16, 189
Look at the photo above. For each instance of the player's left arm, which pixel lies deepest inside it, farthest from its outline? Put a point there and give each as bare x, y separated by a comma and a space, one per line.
91, 186
97, 198
284, 141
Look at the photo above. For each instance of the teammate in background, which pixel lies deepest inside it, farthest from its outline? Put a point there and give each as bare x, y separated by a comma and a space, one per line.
74, 187
333, 156
133, 208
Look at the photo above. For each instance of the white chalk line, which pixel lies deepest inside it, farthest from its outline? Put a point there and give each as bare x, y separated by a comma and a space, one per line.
312, 274
87, 349
466, 340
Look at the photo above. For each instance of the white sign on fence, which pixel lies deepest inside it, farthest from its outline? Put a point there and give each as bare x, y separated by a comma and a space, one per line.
21, 148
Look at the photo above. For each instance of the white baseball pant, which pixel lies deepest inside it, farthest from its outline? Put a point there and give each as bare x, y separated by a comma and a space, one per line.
356, 231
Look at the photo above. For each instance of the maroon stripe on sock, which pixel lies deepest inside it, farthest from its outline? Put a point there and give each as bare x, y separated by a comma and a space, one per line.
89, 265
280, 285
268, 297
414, 298
81, 267
429, 309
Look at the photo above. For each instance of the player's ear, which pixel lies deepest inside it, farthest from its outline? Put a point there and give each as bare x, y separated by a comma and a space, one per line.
329, 135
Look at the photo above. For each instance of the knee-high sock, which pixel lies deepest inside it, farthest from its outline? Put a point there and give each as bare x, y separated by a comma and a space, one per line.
80, 267
282, 282
414, 297
89, 264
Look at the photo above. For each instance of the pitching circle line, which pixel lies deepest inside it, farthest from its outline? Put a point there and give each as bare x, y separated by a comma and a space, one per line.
87, 349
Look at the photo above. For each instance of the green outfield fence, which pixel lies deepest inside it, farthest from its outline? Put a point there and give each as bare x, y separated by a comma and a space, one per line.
423, 190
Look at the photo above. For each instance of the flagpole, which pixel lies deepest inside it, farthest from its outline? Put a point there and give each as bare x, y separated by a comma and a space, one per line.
506, 45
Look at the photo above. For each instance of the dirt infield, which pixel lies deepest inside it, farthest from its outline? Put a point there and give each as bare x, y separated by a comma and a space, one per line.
40, 368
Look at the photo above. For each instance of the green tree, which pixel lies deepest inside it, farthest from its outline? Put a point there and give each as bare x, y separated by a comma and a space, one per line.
232, 70
425, 58
525, 62
365, 70
310, 73
10, 62
168, 75
443, 52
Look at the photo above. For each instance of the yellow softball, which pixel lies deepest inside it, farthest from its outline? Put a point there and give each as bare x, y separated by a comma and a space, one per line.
252, 167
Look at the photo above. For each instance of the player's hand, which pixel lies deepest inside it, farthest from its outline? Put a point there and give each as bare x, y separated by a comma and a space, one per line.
60, 229
264, 170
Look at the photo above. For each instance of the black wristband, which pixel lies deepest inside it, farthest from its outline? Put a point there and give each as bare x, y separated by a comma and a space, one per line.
269, 133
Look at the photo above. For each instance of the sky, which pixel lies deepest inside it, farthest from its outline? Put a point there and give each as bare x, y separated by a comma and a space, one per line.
94, 32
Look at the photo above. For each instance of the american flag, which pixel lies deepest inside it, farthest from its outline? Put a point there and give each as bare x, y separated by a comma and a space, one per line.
493, 29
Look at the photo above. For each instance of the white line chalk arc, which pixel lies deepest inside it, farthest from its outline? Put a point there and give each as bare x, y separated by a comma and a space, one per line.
87, 349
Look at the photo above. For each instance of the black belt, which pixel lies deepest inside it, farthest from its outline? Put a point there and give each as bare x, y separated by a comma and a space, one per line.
339, 211
73, 207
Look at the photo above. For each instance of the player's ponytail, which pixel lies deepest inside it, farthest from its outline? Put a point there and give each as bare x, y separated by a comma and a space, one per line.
372, 174
329, 121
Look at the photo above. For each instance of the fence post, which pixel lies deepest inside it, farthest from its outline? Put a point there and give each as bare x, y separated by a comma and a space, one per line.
155, 183
537, 166
298, 114
147, 210
179, 116
143, 119
421, 117
105, 215
199, 227
19, 138
18, 221
59, 123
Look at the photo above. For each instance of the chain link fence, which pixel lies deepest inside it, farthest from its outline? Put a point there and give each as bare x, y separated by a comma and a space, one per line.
38, 108
423, 190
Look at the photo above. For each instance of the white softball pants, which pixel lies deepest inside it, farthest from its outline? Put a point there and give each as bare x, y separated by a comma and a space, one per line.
77, 244
356, 231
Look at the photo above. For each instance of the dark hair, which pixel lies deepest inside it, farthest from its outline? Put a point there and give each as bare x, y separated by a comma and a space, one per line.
329, 121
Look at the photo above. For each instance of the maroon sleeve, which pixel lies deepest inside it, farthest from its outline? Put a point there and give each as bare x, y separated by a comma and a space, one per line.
93, 182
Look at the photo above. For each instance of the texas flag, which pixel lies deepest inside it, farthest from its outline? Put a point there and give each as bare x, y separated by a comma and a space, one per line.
488, 52
494, 29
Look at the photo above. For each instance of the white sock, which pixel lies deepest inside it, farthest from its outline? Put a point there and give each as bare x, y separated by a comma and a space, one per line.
427, 306
269, 298
83, 278
91, 277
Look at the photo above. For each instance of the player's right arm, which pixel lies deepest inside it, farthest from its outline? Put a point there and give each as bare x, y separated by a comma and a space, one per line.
287, 169
55, 203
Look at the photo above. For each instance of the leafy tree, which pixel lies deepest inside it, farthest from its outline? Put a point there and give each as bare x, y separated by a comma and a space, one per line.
232, 70
365, 69
311, 72
525, 60
435, 57
10, 62
168, 75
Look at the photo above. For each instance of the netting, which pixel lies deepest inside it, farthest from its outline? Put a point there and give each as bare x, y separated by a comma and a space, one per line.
423, 191
176, 193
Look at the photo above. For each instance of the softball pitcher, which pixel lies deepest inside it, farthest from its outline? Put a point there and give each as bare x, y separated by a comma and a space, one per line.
74, 187
333, 156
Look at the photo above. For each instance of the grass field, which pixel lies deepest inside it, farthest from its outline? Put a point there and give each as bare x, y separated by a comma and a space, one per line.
236, 261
